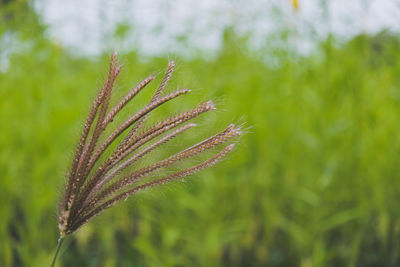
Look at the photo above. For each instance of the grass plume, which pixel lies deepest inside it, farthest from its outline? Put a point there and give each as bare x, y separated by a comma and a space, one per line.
96, 182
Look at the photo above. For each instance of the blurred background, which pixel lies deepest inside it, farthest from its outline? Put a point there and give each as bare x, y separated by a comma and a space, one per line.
314, 182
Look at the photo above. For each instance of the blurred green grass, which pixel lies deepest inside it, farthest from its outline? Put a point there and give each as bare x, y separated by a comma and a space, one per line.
314, 182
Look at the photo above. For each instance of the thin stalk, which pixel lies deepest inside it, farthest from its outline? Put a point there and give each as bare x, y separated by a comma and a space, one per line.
60, 240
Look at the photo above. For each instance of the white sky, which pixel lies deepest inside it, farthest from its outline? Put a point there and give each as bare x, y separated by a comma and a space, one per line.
83, 25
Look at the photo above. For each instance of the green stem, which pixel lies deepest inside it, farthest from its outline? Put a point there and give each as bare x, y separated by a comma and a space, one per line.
60, 240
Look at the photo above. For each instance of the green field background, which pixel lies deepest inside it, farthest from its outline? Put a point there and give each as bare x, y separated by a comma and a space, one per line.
314, 181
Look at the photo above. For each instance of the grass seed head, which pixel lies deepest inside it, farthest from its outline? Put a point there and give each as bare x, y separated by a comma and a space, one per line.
95, 181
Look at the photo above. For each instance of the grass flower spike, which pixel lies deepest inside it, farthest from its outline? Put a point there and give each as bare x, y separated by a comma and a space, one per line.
96, 182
